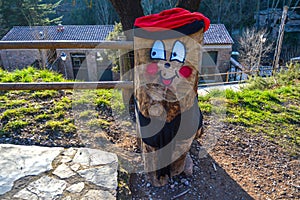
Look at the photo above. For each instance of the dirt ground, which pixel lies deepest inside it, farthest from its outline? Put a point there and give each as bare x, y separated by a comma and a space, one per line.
236, 165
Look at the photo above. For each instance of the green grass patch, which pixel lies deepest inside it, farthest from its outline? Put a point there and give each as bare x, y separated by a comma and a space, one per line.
15, 125
11, 113
15, 103
65, 126
59, 114
267, 106
45, 94
42, 117
30, 74
88, 114
98, 123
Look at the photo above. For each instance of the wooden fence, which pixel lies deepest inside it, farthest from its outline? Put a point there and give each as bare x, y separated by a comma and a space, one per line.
75, 44
66, 44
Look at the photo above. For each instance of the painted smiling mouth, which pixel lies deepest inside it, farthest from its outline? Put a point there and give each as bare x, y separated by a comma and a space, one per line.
167, 81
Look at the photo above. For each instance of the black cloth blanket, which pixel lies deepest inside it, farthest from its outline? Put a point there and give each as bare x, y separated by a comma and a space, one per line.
157, 133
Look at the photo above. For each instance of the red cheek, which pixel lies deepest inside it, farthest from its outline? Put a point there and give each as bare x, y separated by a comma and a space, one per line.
185, 71
152, 68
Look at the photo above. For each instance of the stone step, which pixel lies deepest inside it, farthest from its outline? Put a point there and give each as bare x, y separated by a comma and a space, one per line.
34, 172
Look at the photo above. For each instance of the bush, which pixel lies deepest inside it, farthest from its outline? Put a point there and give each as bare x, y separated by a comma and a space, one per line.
282, 78
113, 55
30, 74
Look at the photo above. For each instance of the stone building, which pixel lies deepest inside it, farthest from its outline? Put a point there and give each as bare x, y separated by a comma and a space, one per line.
84, 64
92, 64
216, 54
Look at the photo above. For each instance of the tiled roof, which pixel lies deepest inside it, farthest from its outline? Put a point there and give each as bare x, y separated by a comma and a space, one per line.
216, 34
71, 32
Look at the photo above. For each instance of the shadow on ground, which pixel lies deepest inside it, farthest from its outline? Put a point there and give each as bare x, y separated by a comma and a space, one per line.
209, 181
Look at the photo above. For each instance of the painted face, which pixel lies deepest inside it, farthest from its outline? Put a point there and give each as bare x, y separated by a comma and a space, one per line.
168, 68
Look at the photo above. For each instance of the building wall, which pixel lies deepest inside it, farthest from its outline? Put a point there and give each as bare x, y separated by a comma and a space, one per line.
1, 63
95, 68
222, 64
18, 59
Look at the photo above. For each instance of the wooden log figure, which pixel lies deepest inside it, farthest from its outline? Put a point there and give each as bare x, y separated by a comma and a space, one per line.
167, 56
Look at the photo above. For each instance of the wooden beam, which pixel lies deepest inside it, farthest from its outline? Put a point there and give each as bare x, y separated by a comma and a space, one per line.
66, 44
67, 85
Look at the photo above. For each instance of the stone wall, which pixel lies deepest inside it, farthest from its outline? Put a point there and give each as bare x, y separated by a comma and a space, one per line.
223, 62
94, 68
18, 59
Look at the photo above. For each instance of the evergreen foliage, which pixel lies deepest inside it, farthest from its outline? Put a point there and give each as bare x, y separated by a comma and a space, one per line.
112, 54
289, 76
27, 13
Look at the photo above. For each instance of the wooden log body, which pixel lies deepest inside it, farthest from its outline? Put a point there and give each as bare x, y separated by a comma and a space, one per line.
164, 88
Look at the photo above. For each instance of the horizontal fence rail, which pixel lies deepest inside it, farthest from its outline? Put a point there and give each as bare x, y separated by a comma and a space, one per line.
85, 85
67, 85
220, 83
66, 44
226, 73
88, 44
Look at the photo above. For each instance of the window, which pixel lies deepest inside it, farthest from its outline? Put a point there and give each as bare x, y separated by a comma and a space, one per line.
209, 58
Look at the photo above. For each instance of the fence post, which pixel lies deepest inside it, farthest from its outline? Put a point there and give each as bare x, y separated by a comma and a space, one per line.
227, 77
125, 73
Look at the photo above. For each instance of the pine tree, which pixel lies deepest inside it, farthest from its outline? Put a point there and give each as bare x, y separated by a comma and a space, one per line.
27, 13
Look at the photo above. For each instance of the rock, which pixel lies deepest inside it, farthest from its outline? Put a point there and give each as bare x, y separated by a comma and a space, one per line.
186, 183
76, 188
67, 198
188, 168
46, 188
104, 176
65, 159
96, 194
63, 171
27, 161
94, 157
75, 167
69, 152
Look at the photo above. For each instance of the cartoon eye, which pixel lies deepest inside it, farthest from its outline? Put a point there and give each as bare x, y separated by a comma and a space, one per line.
178, 52
158, 51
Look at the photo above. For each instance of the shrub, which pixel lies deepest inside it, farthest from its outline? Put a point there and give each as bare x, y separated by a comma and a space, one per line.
282, 78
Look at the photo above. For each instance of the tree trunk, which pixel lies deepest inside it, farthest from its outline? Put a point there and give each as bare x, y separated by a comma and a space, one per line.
128, 11
191, 5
